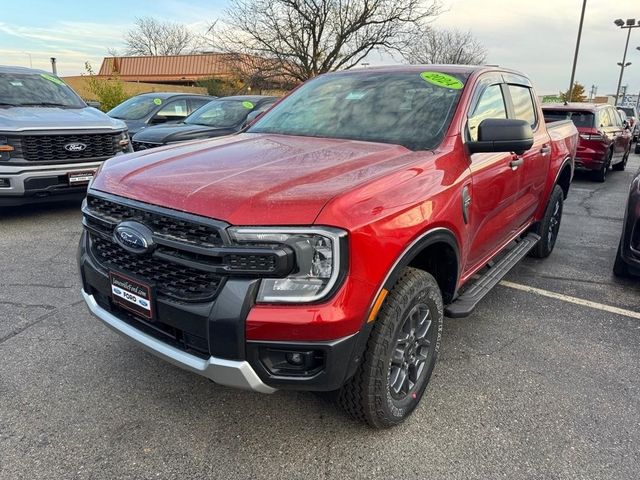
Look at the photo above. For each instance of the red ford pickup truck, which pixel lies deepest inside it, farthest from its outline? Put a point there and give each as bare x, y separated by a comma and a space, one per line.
321, 248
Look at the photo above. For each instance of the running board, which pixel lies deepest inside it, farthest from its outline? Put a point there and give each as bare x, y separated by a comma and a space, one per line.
465, 303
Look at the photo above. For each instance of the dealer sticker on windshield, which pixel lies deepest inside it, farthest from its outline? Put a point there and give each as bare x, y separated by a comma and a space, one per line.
442, 80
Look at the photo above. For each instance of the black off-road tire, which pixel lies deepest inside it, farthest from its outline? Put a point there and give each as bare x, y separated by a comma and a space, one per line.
549, 227
368, 396
619, 267
601, 175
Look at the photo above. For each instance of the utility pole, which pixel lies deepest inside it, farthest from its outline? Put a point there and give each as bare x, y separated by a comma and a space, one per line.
575, 56
630, 24
592, 93
54, 69
623, 91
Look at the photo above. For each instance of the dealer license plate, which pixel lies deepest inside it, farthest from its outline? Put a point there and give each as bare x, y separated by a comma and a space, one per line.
132, 294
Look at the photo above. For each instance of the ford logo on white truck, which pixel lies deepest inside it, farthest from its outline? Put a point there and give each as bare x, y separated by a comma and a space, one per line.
75, 147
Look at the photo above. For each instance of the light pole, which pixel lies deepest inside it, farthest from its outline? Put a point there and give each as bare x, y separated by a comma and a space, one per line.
575, 55
30, 59
630, 23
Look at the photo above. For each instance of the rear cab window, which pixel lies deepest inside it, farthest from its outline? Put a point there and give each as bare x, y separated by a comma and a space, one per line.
580, 118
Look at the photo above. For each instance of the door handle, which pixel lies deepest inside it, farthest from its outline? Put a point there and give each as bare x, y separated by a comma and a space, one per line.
515, 163
545, 150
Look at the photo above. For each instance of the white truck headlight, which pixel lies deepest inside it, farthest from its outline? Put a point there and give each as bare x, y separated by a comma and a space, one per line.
319, 253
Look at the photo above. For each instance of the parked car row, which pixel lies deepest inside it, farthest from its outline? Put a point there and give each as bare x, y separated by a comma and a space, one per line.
605, 136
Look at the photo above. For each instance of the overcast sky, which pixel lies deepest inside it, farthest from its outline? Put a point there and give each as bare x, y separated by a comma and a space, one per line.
537, 37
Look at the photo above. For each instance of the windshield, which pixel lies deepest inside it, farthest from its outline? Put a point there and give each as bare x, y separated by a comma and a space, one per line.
33, 90
135, 108
412, 109
221, 113
580, 118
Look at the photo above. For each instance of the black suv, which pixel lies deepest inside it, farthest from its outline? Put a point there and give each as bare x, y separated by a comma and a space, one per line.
628, 256
155, 108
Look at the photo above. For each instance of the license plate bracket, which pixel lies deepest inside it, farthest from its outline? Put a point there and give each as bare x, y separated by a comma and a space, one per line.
132, 294
80, 177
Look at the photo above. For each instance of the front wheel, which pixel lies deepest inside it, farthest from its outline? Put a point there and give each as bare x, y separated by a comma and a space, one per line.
400, 354
549, 227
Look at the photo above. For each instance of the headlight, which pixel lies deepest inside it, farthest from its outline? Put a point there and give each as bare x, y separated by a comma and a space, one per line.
318, 252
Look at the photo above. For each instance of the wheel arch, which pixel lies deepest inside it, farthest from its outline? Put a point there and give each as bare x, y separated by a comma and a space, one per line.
436, 251
565, 176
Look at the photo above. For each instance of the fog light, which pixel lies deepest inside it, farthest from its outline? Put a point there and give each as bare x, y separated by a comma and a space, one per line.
295, 358
4, 183
285, 362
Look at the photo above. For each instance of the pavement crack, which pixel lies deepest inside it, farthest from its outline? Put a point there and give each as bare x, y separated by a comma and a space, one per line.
36, 285
28, 305
41, 318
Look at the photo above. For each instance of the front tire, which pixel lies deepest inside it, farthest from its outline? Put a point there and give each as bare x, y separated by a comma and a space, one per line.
400, 354
549, 227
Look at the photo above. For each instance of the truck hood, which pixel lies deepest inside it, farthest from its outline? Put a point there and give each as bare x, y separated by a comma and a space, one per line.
180, 132
250, 179
17, 119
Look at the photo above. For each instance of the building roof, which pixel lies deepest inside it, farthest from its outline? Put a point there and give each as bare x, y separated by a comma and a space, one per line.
171, 68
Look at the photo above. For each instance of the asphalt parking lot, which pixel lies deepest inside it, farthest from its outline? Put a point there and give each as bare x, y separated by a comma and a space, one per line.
527, 387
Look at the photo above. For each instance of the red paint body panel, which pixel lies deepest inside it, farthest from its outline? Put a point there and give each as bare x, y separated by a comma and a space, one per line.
385, 196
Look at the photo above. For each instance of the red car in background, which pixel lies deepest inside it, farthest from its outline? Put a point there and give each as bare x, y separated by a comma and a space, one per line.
605, 141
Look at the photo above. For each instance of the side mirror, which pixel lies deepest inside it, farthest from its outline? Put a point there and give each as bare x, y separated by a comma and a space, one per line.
625, 125
502, 135
156, 119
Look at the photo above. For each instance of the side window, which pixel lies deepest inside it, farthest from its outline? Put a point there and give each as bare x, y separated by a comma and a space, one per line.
196, 103
523, 104
490, 105
175, 109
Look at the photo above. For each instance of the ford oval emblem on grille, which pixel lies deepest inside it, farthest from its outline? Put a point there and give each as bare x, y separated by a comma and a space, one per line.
134, 237
75, 147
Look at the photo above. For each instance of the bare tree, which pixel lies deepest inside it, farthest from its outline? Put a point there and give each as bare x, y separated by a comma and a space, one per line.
432, 45
303, 38
151, 37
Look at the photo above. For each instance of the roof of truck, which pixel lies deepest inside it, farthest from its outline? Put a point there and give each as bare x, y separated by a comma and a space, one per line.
22, 70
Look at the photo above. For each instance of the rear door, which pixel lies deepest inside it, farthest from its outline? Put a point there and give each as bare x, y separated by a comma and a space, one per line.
494, 190
620, 140
535, 162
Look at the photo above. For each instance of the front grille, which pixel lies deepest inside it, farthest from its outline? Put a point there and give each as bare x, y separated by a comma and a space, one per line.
137, 146
165, 267
168, 227
173, 281
51, 148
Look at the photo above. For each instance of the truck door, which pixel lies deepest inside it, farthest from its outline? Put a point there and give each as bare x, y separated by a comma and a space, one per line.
493, 213
535, 161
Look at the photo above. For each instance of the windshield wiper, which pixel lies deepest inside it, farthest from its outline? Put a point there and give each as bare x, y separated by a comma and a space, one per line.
44, 104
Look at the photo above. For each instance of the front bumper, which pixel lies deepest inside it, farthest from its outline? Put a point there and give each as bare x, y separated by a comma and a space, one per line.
232, 373
209, 338
35, 183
